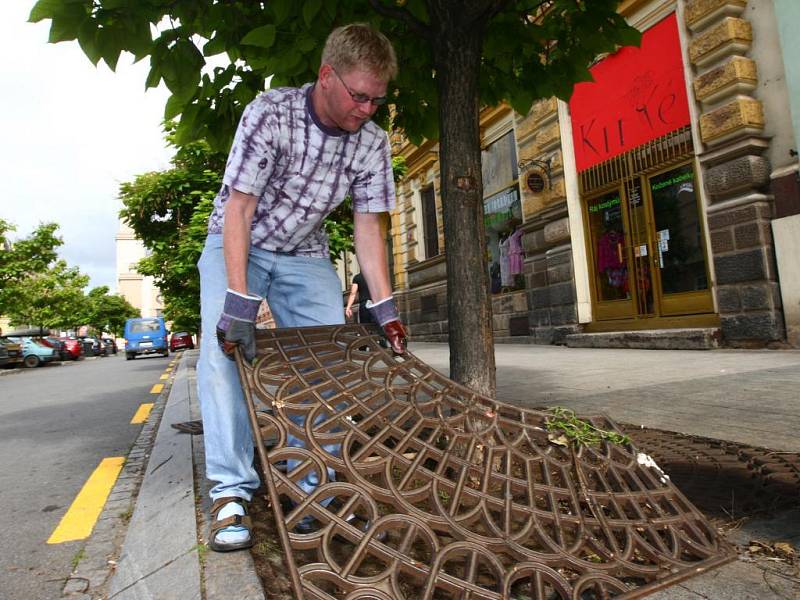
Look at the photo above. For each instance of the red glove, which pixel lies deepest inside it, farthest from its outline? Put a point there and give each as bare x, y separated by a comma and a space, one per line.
396, 336
386, 315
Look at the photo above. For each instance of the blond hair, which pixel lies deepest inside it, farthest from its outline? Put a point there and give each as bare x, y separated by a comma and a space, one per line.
359, 46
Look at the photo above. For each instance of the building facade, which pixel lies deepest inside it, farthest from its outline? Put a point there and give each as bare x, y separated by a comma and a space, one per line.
137, 289
663, 197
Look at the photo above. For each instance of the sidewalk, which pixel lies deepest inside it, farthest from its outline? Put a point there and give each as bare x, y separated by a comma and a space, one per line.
750, 397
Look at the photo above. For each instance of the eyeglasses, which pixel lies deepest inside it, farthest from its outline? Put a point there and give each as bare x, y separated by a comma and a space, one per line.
360, 98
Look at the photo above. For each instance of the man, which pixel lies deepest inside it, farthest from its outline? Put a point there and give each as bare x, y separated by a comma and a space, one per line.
296, 154
361, 288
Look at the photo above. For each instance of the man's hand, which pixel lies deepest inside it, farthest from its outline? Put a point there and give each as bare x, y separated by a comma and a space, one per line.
386, 315
236, 326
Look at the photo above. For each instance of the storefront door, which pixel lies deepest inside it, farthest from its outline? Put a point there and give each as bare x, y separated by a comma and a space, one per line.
647, 245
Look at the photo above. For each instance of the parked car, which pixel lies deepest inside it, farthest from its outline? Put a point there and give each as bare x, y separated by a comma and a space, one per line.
4, 358
56, 344
110, 345
34, 353
145, 336
181, 340
92, 346
73, 346
14, 350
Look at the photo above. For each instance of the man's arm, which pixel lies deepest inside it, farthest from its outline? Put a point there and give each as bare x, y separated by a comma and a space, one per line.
239, 211
348, 310
371, 254
236, 325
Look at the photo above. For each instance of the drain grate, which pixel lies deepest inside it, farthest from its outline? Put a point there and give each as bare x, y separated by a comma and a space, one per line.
427, 490
725, 480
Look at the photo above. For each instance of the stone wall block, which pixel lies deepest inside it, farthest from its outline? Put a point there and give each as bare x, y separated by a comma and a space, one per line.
737, 75
728, 299
563, 293
738, 175
741, 267
731, 36
556, 231
741, 115
721, 241
700, 12
752, 326
751, 235
540, 298
559, 273
756, 297
534, 242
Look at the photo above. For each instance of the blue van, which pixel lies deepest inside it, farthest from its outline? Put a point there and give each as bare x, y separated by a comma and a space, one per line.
145, 336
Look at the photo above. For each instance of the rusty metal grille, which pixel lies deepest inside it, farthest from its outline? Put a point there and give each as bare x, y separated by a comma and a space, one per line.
723, 479
656, 154
430, 491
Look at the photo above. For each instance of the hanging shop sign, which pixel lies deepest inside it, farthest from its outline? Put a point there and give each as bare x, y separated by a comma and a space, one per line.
638, 94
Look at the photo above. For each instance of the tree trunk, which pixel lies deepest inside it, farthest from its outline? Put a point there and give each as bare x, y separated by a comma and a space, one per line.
457, 54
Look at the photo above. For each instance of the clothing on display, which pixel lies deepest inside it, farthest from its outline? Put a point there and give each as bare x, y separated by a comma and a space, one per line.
515, 252
506, 278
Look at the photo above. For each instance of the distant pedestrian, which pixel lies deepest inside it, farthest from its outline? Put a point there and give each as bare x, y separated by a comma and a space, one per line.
360, 288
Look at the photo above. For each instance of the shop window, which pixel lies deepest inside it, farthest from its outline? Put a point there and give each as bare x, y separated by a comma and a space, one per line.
606, 225
679, 236
502, 219
429, 229
502, 211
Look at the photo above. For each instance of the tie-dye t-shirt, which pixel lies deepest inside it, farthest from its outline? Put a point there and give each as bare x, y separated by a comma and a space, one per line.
301, 170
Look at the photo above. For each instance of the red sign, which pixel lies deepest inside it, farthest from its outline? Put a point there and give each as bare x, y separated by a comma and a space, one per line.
638, 94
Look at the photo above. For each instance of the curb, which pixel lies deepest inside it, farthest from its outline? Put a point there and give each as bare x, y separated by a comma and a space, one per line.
91, 576
160, 546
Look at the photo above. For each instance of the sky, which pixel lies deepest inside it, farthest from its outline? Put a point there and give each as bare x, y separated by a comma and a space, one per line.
70, 133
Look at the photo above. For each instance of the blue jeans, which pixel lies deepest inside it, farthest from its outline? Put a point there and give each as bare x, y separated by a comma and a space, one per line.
301, 292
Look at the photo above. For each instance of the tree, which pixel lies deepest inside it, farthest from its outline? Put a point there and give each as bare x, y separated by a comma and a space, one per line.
49, 299
168, 211
455, 57
107, 312
24, 257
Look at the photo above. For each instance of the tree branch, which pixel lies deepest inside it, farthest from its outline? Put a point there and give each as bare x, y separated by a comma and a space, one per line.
403, 15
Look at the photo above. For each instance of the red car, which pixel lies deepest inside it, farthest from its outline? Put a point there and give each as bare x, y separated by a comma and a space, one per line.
74, 347
181, 340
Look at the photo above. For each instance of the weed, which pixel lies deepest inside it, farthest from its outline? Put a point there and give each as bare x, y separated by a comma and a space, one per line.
579, 431
79, 556
202, 551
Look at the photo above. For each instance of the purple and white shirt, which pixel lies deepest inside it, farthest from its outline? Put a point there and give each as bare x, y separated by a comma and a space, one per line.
301, 170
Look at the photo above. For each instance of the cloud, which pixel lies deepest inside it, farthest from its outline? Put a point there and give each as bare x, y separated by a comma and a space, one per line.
72, 133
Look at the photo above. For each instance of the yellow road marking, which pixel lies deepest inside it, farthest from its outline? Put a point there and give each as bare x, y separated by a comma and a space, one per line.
157, 388
79, 520
142, 413
164, 376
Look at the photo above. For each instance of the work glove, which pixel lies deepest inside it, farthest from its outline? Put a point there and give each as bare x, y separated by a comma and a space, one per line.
237, 325
385, 314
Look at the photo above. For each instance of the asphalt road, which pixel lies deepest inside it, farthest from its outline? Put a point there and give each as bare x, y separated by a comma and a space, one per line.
56, 424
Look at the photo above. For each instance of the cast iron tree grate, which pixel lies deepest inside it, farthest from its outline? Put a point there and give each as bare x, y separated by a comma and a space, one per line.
427, 490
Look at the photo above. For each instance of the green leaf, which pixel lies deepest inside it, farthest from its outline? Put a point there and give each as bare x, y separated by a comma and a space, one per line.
214, 46
310, 10
109, 46
282, 9
263, 37
44, 9
87, 38
173, 108
67, 23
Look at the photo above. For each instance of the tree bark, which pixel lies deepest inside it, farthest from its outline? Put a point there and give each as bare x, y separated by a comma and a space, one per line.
456, 45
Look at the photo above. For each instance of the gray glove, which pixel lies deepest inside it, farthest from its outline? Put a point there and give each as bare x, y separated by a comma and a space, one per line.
237, 325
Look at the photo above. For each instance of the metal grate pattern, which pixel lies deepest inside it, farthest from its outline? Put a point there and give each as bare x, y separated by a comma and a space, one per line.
430, 491
656, 154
